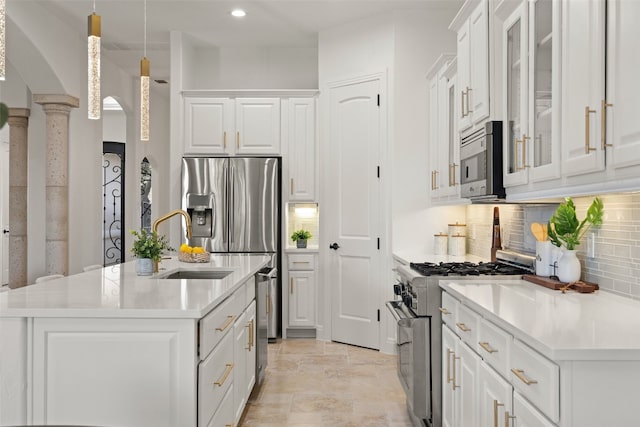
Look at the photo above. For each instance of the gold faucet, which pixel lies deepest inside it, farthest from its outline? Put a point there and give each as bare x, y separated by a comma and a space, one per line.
187, 220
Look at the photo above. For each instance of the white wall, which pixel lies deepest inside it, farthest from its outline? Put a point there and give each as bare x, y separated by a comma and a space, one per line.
114, 126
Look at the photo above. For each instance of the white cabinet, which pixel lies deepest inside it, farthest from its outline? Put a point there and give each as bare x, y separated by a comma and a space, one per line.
245, 359
495, 398
301, 135
531, 93
472, 28
525, 415
301, 291
600, 133
231, 126
444, 144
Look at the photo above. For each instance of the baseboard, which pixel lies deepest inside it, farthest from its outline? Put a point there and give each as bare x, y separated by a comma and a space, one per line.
301, 333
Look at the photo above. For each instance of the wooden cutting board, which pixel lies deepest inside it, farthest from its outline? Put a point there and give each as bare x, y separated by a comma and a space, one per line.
547, 282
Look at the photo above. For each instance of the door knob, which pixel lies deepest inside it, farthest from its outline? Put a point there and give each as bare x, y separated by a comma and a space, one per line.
5, 231
334, 246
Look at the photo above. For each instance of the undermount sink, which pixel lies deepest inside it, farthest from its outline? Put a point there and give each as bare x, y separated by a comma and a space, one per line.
197, 274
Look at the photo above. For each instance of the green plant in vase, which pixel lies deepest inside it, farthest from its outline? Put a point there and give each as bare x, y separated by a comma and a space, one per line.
148, 246
300, 237
566, 231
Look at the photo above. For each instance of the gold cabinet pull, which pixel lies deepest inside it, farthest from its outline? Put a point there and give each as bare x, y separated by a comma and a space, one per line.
587, 125
453, 380
444, 310
226, 324
448, 365
469, 110
248, 326
224, 139
268, 305
516, 142
291, 187
291, 284
463, 327
300, 262
485, 345
495, 412
524, 151
238, 139
452, 175
226, 374
603, 124
252, 333
435, 179
508, 417
228, 425
462, 103
520, 374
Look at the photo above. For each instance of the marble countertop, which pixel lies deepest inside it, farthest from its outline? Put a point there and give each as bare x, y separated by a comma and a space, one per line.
118, 292
569, 326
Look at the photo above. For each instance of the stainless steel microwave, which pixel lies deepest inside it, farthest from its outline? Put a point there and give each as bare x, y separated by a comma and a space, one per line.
481, 163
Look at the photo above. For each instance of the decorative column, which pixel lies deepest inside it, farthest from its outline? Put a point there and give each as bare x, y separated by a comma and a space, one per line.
18, 161
56, 109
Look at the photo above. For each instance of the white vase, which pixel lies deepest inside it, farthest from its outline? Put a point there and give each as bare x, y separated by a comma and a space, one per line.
569, 267
144, 266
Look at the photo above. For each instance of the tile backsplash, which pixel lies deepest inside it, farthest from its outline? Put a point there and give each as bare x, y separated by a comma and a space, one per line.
616, 264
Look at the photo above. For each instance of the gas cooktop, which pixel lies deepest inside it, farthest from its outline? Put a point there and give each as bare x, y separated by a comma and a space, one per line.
466, 269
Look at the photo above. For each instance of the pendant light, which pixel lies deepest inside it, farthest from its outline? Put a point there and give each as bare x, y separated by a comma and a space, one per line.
144, 86
2, 41
93, 64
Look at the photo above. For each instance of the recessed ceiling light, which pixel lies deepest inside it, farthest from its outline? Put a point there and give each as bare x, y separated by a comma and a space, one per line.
238, 13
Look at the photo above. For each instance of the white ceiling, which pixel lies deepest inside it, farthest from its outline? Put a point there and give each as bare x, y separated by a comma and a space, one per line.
273, 23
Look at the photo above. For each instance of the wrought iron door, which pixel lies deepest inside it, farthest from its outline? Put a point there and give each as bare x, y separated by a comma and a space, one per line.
113, 161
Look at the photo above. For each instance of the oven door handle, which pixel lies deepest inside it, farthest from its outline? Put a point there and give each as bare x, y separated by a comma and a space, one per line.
395, 307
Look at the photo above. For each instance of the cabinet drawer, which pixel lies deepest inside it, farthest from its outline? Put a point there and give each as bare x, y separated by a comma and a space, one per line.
215, 376
215, 324
224, 414
494, 346
448, 309
301, 262
536, 378
467, 325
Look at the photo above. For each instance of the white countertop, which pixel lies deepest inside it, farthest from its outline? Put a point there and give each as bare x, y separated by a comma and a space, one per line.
569, 326
117, 291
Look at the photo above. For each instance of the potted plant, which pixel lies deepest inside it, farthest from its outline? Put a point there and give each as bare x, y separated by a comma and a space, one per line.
566, 231
148, 248
300, 237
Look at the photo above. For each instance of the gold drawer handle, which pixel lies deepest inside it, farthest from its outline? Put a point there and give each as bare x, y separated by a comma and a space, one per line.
226, 324
603, 125
444, 310
221, 381
463, 327
508, 417
224, 140
238, 140
520, 374
301, 262
495, 412
485, 345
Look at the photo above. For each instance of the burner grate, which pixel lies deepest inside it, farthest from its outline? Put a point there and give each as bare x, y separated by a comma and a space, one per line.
466, 269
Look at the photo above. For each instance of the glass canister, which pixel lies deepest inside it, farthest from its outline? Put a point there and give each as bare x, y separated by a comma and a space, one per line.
456, 228
440, 242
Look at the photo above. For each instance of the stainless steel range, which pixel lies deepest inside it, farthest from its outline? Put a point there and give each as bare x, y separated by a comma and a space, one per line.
419, 333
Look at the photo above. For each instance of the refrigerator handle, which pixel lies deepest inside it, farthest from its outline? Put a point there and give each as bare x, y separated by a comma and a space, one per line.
231, 206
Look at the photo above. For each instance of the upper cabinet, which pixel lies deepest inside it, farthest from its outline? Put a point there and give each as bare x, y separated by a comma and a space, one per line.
444, 142
600, 67
472, 28
531, 92
231, 126
301, 134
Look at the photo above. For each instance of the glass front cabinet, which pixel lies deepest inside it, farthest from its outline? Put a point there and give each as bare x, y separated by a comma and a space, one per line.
531, 92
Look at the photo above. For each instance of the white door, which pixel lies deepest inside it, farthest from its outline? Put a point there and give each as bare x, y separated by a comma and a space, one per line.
4, 213
353, 209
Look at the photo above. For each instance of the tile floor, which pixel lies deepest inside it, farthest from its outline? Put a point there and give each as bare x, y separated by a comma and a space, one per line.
313, 383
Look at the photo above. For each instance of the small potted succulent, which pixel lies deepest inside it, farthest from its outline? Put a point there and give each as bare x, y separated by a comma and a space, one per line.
148, 248
300, 237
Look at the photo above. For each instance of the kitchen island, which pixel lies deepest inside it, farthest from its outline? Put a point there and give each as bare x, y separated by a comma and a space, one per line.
108, 347
546, 358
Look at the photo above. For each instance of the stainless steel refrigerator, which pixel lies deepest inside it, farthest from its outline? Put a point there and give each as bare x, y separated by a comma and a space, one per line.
234, 204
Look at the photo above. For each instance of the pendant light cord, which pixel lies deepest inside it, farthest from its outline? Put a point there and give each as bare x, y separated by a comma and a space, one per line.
145, 28
94, 6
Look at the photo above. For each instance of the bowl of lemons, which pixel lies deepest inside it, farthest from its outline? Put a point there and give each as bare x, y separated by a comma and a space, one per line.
192, 254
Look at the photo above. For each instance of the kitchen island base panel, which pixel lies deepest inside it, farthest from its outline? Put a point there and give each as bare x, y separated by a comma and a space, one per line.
114, 372
13, 370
